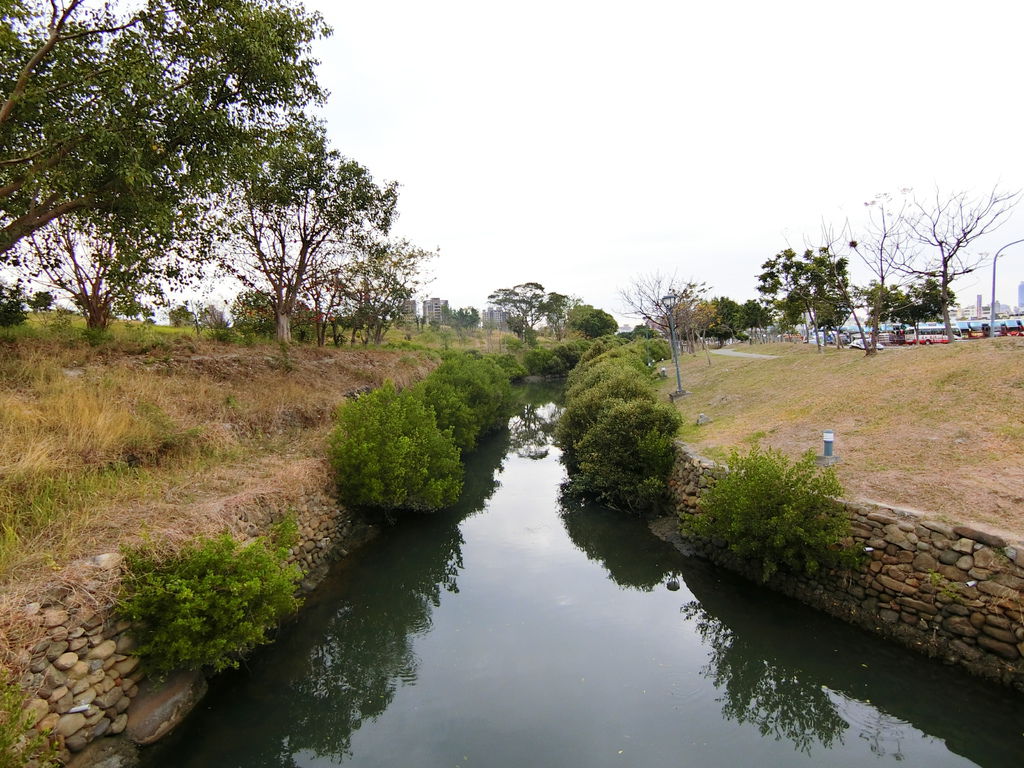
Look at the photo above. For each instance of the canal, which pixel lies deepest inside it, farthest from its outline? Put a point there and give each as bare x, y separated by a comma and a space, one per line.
520, 630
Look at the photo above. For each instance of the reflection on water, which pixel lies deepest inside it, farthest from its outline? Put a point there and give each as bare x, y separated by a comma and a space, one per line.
778, 699
514, 630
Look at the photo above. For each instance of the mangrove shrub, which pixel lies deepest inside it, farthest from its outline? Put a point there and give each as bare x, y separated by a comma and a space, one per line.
783, 514
388, 453
210, 603
468, 394
616, 439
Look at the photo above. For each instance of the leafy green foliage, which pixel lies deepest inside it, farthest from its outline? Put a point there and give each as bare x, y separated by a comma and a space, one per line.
541, 361
12, 306
41, 301
208, 604
617, 440
602, 387
388, 453
784, 514
592, 322
513, 369
135, 111
626, 455
20, 746
469, 395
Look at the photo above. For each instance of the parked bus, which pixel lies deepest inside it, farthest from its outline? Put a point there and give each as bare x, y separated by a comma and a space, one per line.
1010, 326
931, 333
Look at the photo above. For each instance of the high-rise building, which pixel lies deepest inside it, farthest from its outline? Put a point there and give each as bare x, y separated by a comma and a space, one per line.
977, 307
434, 310
493, 317
409, 310
1020, 297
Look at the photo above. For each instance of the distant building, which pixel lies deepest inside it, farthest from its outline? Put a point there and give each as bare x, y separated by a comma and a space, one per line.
409, 311
434, 310
977, 307
1020, 297
496, 318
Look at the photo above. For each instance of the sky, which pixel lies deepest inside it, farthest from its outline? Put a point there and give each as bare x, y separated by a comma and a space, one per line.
582, 144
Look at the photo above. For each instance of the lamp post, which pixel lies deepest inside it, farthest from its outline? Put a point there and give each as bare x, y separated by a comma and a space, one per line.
992, 313
669, 302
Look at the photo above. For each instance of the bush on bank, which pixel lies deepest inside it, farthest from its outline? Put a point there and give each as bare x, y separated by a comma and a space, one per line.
210, 603
469, 394
616, 437
401, 450
388, 453
780, 513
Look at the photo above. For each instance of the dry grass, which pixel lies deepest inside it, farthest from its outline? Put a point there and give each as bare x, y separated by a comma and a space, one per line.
937, 428
97, 442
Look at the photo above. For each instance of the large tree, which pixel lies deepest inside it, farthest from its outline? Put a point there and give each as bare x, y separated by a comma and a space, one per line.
378, 281
132, 113
812, 286
591, 321
295, 214
946, 225
97, 271
524, 305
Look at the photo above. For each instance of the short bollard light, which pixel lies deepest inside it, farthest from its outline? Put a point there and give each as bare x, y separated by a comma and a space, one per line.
828, 456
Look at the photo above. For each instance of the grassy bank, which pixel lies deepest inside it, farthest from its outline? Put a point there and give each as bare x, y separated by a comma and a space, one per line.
98, 443
938, 428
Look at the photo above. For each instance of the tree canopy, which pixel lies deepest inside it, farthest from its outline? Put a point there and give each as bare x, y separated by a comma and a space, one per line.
135, 114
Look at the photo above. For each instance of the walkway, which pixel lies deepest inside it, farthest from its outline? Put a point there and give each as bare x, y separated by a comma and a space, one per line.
734, 353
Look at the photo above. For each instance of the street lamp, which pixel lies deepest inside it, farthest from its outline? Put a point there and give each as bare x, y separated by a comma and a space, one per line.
992, 313
669, 303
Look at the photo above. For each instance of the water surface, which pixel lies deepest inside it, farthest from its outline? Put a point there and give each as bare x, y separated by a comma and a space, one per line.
515, 630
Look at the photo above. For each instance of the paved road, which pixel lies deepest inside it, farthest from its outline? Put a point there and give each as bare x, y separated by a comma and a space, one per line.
734, 353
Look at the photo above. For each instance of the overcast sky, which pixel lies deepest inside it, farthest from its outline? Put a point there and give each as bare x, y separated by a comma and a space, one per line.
578, 144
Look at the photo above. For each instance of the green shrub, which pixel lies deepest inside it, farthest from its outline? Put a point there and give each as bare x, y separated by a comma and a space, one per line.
541, 361
12, 306
625, 457
600, 346
571, 351
608, 385
20, 746
469, 394
511, 366
388, 453
208, 604
784, 514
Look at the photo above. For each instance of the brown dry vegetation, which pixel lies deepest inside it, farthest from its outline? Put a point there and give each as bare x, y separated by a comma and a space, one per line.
935, 428
98, 445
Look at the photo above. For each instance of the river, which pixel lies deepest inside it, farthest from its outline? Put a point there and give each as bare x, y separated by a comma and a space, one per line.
517, 630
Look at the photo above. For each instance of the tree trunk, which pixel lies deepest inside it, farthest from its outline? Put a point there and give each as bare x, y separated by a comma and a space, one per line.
944, 300
96, 309
284, 327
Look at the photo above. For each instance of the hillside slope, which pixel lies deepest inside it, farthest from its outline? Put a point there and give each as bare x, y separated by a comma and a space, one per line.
936, 428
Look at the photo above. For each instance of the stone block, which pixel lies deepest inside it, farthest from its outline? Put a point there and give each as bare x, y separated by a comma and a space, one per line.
103, 651
69, 724
66, 661
963, 546
960, 625
998, 647
981, 536
158, 708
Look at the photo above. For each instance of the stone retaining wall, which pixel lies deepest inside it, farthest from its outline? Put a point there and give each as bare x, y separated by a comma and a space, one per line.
950, 591
81, 673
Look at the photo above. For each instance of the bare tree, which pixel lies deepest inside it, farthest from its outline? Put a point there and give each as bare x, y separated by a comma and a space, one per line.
947, 225
644, 298
84, 263
884, 246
